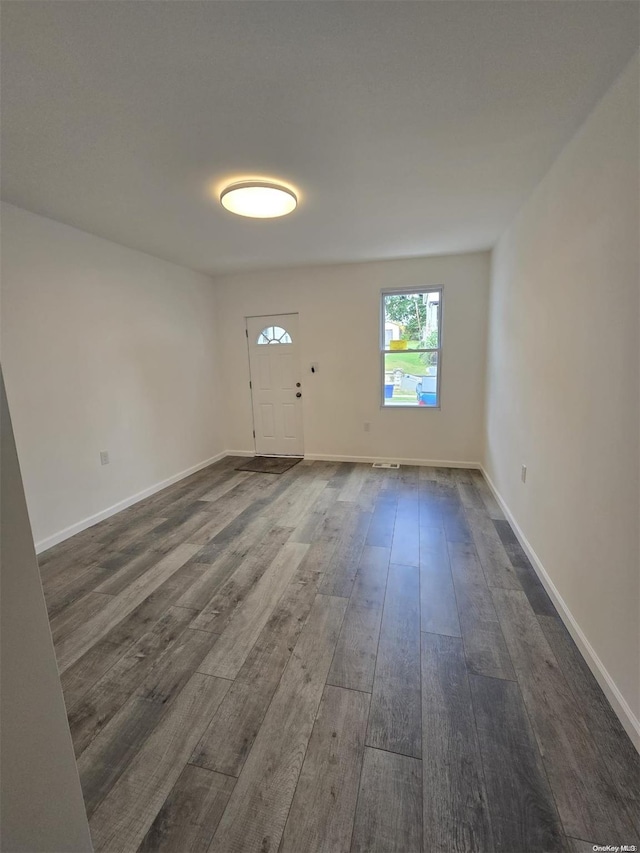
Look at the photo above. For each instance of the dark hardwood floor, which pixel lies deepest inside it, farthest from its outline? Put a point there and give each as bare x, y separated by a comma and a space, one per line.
338, 658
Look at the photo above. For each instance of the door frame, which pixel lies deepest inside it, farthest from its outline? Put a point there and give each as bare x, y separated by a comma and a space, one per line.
248, 317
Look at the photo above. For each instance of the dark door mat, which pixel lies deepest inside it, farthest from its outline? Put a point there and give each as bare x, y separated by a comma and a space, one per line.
270, 464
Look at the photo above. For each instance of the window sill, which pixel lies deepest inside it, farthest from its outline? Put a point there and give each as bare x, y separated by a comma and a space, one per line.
409, 406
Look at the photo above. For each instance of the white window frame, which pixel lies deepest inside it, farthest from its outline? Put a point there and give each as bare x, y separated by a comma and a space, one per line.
394, 291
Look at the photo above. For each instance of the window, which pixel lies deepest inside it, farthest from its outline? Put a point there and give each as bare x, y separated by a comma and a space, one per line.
411, 347
274, 335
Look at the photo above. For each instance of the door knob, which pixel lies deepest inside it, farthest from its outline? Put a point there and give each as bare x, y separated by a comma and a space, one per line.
297, 384
298, 394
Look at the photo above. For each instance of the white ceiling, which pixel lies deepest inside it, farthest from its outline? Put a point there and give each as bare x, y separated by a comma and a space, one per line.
409, 128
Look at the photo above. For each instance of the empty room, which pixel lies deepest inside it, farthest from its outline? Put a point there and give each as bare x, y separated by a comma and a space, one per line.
320, 480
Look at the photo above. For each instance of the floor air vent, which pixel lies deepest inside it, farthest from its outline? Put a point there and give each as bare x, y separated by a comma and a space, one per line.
385, 465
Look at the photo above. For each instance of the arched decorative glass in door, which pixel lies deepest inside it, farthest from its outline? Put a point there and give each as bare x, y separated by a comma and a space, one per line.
274, 335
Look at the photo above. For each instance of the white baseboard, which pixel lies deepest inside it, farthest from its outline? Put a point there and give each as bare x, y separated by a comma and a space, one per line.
336, 457
600, 672
429, 463
79, 526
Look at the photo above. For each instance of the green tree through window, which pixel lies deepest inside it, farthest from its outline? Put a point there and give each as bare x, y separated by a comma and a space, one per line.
410, 311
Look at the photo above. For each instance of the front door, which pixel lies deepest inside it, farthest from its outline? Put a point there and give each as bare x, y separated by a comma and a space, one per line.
276, 390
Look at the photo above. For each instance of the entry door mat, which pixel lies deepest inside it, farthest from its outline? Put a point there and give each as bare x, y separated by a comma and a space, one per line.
269, 464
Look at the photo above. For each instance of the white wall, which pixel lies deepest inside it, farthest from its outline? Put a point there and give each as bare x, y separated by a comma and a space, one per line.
103, 348
562, 388
339, 308
41, 800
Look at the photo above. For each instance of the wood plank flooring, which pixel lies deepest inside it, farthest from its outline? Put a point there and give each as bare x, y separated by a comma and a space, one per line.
333, 659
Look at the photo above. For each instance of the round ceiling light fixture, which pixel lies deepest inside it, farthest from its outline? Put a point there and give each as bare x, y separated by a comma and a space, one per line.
258, 199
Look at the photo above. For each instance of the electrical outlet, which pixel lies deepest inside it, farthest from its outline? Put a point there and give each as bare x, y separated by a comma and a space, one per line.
523, 474
367, 426
104, 457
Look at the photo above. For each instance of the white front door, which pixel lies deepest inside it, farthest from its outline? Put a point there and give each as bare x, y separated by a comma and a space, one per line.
276, 390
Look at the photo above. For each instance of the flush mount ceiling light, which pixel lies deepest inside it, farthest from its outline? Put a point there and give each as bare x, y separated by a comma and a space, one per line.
259, 199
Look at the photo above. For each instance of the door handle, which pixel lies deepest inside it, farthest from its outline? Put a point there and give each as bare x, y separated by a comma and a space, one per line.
297, 384
298, 394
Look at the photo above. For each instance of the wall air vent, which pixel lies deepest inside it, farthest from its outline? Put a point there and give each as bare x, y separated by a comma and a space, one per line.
386, 465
